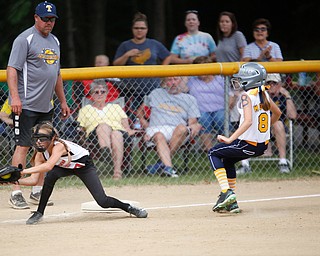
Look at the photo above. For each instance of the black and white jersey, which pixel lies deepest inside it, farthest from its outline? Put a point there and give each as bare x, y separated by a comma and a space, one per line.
79, 156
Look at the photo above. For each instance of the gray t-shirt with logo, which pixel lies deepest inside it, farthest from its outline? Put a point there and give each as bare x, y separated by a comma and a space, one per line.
37, 61
171, 109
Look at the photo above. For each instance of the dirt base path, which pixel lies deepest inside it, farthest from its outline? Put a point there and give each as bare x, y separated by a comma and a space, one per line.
278, 218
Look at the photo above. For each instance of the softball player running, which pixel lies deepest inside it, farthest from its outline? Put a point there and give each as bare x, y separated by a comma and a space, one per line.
61, 158
250, 139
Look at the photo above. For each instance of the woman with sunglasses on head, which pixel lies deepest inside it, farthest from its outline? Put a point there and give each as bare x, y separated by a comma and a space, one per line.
62, 158
262, 49
193, 43
107, 124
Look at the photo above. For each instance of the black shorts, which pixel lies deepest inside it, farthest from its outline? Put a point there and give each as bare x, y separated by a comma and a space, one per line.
24, 123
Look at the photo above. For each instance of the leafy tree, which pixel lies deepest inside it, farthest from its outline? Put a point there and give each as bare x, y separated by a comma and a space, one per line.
15, 16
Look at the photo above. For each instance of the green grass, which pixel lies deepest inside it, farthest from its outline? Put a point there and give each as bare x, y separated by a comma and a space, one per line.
200, 171
305, 161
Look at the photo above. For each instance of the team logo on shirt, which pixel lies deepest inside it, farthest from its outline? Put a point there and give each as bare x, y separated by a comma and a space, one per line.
171, 108
142, 57
49, 56
258, 107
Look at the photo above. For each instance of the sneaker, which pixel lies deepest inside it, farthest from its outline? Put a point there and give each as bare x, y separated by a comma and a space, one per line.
225, 199
233, 208
243, 170
155, 168
169, 172
35, 199
18, 202
35, 218
150, 144
284, 168
139, 213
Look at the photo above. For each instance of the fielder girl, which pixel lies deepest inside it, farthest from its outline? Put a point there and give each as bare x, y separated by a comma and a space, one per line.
250, 139
61, 158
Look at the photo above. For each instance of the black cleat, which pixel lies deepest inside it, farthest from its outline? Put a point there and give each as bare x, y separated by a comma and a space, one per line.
139, 213
35, 218
233, 208
225, 199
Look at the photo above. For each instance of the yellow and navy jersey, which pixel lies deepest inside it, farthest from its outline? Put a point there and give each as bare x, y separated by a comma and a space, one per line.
259, 131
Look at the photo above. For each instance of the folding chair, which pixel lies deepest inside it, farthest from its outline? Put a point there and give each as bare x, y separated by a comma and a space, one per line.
94, 148
147, 146
81, 90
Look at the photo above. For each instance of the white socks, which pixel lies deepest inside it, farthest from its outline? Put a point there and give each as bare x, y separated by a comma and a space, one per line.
245, 162
36, 189
282, 161
13, 193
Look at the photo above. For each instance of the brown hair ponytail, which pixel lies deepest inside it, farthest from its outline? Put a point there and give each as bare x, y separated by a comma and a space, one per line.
266, 103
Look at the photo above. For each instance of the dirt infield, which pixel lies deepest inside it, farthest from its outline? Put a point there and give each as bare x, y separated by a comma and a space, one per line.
278, 218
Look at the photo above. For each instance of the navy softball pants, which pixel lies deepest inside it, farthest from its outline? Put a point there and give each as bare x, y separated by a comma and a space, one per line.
226, 155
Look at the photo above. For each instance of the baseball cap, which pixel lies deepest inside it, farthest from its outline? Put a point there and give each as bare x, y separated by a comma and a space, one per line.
46, 9
275, 77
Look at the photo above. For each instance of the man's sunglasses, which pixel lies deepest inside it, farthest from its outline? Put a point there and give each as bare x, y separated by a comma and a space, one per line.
46, 19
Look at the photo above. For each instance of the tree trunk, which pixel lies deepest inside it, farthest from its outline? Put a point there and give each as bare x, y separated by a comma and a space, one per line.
72, 62
160, 18
98, 33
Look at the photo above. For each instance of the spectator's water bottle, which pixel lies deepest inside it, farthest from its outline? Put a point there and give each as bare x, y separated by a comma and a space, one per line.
137, 124
302, 78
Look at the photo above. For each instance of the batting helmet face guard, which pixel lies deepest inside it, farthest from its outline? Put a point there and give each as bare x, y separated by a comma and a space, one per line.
41, 140
251, 75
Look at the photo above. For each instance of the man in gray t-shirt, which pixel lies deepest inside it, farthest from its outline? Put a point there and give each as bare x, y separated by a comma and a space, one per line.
33, 75
173, 120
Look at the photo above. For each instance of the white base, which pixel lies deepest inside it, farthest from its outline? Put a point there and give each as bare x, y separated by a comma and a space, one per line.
92, 206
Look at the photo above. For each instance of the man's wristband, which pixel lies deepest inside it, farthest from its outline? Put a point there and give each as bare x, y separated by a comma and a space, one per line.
288, 98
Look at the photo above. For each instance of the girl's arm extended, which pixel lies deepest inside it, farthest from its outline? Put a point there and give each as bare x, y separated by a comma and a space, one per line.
57, 151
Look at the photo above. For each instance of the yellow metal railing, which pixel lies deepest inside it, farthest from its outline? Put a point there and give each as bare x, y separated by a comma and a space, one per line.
225, 68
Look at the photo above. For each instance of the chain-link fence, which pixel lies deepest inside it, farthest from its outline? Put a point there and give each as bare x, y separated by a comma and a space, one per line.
190, 161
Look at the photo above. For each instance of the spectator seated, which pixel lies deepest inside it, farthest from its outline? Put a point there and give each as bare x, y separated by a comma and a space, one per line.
172, 123
106, 127
81, 91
